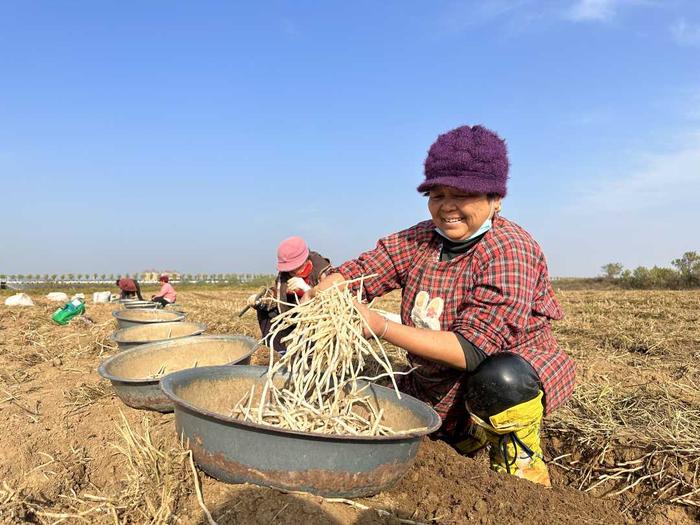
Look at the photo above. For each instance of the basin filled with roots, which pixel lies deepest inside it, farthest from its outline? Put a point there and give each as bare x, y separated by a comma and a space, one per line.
154, 333
142, 316
207, 415
135, 374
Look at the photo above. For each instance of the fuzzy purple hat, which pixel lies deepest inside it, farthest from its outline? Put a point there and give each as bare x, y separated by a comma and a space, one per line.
471, 159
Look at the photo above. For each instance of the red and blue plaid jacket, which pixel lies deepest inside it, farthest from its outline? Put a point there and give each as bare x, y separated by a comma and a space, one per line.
497, 295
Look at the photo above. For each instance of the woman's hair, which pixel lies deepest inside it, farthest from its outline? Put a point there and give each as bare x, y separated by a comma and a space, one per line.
164, 279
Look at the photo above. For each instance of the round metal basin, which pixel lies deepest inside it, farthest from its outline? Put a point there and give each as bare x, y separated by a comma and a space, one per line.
129, 304
328, 465
135, 374
154, 333
142, 316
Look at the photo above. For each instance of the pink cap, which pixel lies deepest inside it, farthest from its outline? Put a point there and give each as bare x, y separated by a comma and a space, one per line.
291, 254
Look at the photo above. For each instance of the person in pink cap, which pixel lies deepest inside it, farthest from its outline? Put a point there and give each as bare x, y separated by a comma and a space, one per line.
299, 270
167, 294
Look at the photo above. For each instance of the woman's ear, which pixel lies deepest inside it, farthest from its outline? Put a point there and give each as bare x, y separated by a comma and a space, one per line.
497, 204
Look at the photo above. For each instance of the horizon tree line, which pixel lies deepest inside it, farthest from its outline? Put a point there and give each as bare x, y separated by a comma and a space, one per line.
684, 274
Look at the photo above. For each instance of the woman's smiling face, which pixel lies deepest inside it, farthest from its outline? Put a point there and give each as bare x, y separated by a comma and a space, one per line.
459, 214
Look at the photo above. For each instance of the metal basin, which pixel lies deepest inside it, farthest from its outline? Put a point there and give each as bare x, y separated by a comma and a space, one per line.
129, 304
324, 464
134, 373
142, 316
154, 333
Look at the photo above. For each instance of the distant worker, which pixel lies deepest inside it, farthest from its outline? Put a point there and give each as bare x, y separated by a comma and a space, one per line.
167, 294
130, 288
299, 270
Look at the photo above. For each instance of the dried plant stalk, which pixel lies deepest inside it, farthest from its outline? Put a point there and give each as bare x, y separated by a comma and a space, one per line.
326, 353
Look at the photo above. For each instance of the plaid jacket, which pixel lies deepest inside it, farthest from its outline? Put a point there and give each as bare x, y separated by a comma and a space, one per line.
497, 295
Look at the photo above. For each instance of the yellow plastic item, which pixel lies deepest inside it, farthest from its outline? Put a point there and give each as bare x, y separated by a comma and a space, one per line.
514, 435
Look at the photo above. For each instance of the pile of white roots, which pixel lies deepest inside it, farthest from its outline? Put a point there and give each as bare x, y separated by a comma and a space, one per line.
326, 353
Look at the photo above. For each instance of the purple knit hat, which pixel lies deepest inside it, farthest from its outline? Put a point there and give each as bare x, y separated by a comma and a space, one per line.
471, 159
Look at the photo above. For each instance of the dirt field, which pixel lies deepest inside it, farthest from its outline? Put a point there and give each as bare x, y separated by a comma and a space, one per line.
626, 449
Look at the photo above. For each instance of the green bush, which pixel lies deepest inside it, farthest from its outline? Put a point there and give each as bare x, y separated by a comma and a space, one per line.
685, 275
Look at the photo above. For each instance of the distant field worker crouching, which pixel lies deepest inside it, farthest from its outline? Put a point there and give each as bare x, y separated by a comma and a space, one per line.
129, 288
476, 308
167, 294
299, 269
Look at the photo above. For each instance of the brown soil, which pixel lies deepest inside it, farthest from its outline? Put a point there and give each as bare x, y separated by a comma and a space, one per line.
64, 449
442, 487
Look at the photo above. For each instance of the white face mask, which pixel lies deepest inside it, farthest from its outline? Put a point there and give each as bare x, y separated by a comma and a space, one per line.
486, 226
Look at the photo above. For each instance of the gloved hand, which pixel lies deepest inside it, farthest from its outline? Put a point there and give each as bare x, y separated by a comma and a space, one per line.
252, 300
297, 283
264, 300
426, 312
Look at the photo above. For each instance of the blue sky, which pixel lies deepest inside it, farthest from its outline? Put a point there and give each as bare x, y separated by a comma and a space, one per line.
197, 135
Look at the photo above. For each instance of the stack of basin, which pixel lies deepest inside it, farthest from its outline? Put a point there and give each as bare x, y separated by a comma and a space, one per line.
135, 303
155, 332
145, 316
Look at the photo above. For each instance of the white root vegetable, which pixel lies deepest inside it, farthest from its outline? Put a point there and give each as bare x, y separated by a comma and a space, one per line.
326, 353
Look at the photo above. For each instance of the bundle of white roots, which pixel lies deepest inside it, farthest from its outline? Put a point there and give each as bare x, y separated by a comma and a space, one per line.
323, 390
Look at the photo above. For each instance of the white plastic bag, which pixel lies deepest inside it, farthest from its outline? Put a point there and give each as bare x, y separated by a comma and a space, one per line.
101, 297
20, 299
58, 297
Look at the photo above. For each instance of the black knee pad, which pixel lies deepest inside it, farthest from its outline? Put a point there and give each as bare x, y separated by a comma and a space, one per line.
500, 381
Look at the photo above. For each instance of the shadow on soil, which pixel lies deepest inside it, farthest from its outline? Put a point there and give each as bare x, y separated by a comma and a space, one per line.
259, 505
